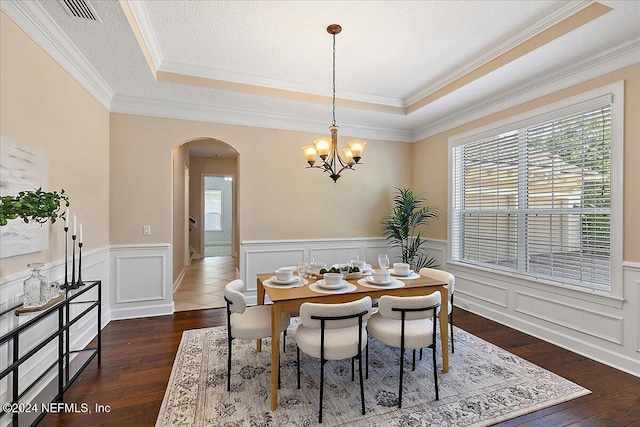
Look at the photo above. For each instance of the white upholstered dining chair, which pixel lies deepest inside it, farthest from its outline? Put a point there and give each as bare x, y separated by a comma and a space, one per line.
249, 323
407, 322
451, 283
333, 332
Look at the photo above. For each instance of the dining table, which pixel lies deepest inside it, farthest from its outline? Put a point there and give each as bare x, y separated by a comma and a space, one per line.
290, 298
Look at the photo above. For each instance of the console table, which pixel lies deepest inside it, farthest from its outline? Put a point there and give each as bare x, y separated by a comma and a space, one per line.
24, 412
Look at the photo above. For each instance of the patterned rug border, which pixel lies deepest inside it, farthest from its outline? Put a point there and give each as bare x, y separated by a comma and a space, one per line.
449, 410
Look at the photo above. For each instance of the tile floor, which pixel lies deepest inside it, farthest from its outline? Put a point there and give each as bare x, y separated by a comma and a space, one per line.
203, 283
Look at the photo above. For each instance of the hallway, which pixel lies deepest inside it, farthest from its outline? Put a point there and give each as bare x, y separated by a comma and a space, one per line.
203, 283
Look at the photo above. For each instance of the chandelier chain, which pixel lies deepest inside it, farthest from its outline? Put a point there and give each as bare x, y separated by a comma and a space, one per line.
334, 80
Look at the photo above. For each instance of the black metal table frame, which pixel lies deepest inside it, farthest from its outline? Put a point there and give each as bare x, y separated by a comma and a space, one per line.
64, 352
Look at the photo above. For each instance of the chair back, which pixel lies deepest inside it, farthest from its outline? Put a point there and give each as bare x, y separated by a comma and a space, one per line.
420, 307
441, 275
345, 314
234, 296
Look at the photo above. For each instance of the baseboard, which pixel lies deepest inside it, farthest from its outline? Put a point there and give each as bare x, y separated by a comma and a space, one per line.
137, 312
178, 280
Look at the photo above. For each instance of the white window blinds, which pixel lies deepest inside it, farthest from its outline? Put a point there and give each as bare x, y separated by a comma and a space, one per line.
536, 200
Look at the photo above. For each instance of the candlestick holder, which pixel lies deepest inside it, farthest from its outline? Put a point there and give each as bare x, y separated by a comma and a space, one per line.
74, 285
80, 282
66, 285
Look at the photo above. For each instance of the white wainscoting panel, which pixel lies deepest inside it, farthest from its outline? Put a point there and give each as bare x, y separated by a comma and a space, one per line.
583, 319
603, 328
142, 284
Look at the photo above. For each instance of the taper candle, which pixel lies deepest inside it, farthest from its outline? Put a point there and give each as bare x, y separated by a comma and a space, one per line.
80, 235
74, 226
66, 218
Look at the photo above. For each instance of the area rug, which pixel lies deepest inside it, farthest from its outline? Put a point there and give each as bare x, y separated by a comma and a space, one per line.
485, 385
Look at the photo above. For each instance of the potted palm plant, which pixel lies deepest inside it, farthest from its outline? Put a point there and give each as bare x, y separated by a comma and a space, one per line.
37, 205
408, 212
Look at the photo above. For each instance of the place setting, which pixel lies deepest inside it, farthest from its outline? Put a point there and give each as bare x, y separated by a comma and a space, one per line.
403, 270
332, 283
284, 278
380, 279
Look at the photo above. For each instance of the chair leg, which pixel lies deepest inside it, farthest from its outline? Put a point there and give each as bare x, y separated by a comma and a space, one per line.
279, 383
361, 382
322, 362
413, 368
401, 375
420, 354
435, 372
367, 365
284, 341
298, 363
352, 370
229, 365
451, 323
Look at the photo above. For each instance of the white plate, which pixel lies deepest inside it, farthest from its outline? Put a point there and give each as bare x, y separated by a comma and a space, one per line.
322, 284
375, 282
283, 282
393, 273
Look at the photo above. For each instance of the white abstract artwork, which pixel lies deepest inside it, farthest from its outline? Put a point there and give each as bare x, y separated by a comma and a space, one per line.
22, 168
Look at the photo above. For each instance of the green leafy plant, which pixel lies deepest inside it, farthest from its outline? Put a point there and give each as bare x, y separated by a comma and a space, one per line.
37, 205
399, 227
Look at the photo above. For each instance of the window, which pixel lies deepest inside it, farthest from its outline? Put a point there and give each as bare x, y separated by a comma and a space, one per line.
534, 197
212, 210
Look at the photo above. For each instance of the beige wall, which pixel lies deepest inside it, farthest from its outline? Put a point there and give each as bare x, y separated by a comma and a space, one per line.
180, 233
42, 106
210, 166
430, 155
278, 197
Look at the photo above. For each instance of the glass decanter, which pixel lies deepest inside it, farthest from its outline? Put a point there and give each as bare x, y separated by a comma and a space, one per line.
33, 285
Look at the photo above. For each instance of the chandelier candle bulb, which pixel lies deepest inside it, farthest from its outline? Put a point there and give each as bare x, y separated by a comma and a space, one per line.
357, 148
310, 153
348, 156
323, 146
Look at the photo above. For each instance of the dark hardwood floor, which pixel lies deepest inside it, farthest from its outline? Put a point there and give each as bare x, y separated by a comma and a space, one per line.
138, 355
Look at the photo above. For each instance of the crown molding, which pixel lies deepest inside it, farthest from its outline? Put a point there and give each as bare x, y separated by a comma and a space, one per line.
244, 117
504, 46
252, 80
146, 29
625, 54
37, 24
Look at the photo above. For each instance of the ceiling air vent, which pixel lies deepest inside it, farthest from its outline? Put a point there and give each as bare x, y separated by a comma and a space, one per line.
80, 9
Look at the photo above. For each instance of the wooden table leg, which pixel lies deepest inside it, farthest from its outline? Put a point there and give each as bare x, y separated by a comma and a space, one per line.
260, 295
276, 313
444, 328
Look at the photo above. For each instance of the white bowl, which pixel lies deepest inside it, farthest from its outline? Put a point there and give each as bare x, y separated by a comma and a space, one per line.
332, 279
400, 268
284, 274
381, 275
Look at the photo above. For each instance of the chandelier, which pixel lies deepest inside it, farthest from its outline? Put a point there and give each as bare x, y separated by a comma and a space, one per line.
327, 147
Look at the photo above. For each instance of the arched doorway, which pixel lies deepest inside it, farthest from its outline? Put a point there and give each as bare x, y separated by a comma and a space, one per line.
205, 222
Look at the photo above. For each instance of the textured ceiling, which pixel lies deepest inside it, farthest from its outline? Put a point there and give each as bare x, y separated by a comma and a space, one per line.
261, 63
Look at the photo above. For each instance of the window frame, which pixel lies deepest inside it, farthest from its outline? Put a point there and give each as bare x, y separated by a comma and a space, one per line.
613, 93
